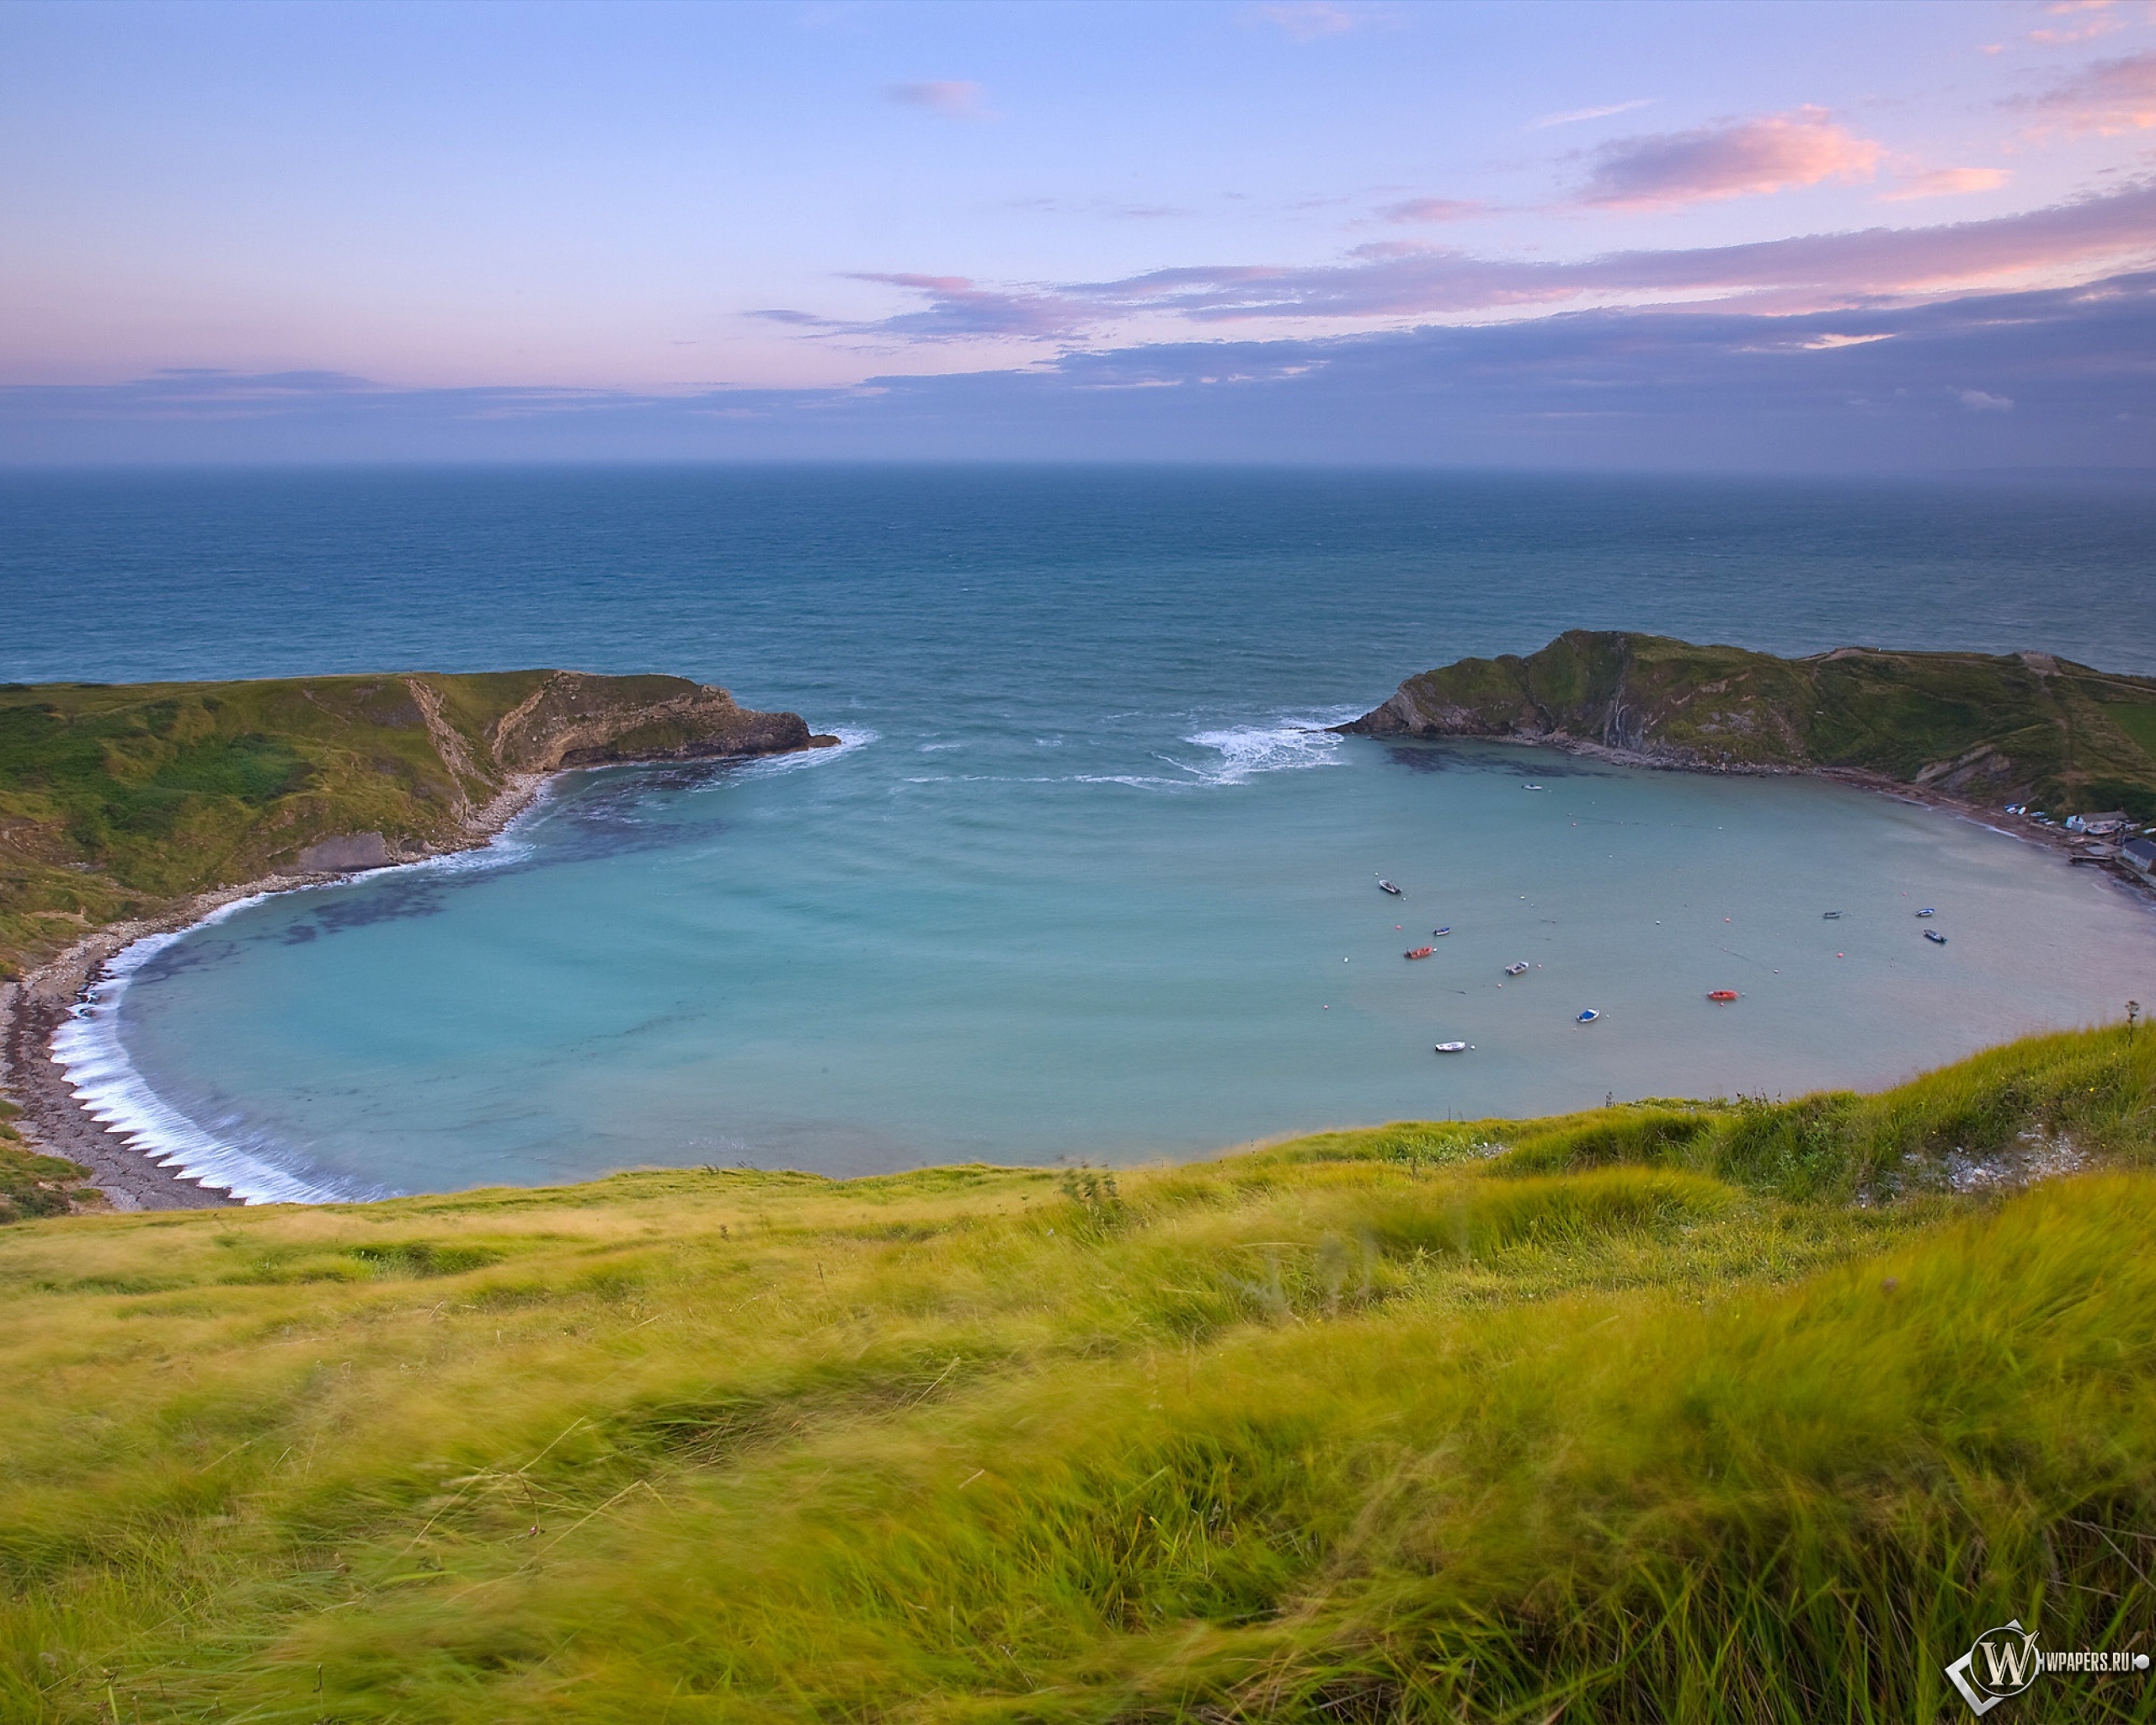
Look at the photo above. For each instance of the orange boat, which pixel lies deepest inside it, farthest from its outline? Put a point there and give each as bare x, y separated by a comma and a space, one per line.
1419, 952
1724, 995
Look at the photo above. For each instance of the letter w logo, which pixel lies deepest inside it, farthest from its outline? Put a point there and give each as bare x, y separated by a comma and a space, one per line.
2009, 1661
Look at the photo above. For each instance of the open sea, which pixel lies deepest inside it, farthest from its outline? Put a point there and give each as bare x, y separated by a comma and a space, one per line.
1083, 882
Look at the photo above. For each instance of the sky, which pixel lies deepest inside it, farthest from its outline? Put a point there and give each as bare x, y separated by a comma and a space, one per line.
1811, 234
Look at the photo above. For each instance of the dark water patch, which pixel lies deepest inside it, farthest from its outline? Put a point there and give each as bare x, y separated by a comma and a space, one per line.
1453, 757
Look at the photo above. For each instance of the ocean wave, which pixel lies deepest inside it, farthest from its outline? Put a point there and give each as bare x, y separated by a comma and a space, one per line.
86, 1048
1287, 745
851, 737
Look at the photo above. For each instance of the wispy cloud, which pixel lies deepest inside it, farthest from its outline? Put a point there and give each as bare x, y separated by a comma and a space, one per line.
2040, 378
1431, 209
1946, 183
1737, 158
2097, 19
956, 97
957, 309
1573, 116
1402, 280
2109, 97
1311, 20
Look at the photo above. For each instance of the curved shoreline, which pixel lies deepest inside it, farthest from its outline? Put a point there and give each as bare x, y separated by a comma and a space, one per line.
136, 1175
34, 1012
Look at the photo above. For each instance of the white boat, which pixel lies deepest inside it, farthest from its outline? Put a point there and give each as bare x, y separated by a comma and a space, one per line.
1386, 886
1451, 1048
1519, 970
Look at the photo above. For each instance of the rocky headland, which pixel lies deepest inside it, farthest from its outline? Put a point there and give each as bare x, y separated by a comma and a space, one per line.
1967, 729
126, 809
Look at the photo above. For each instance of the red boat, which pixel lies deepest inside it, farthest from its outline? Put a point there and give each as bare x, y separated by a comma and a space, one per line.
1419, 952
1723, 994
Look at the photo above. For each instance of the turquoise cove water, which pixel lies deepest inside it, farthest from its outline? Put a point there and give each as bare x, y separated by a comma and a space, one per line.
1083, 882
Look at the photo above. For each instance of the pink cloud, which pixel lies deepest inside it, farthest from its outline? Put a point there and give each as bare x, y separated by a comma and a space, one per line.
1430, 210
1398, 281
2107, 98
1946, 183
2098, 23
1736, 159
957, 98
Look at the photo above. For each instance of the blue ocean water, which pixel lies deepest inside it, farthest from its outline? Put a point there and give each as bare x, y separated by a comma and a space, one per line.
1082, 883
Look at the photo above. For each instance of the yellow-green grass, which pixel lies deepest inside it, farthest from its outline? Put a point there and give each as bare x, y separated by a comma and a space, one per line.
1671, 1412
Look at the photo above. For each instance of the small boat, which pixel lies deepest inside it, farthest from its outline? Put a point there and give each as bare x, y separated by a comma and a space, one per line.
1935, 937
1530, 787
1446, 930
1927, 911
1519, 970
1450, 1047
1588, 1016
1830, 916
1723, 994
1419, 952
1386, 886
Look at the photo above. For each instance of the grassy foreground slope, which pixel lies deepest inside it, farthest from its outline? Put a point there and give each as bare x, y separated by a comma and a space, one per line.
2025, 728
118, 800
1659, 1413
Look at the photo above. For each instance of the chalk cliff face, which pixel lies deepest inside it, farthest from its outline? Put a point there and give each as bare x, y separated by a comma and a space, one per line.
2028, 727
117, 800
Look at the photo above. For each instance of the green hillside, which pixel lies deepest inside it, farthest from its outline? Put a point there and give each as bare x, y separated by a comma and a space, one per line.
117, 800
1666, 1411
2029, 728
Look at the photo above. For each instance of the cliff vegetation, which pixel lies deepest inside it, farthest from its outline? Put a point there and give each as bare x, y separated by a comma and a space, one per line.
118, 801
2029, 728
1717, 1411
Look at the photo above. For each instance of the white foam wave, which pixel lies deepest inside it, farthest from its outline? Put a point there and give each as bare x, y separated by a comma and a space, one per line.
87, 1049
851, 737
1289, 745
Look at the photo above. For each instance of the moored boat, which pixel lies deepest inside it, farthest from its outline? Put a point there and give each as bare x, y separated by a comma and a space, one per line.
1519, 970
1418, 953
1722, 993
1446, 930
1386, 886
1451, 1048
1587, 1016
1935, 937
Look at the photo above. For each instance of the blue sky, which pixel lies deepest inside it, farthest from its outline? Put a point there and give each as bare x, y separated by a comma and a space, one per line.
418, 229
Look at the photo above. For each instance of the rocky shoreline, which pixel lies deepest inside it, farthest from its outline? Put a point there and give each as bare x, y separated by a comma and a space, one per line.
55, 1122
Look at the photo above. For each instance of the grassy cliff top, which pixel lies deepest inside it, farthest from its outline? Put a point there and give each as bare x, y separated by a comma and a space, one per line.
2028, 728
1705, 1411
118, 800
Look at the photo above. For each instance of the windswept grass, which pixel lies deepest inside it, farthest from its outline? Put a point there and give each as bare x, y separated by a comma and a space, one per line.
1727, 1411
